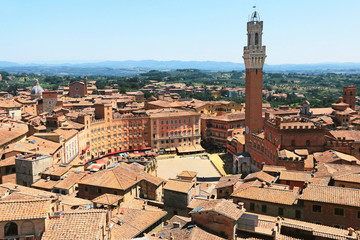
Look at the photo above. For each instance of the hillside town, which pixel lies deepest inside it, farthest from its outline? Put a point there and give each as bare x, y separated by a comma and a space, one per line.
111, 165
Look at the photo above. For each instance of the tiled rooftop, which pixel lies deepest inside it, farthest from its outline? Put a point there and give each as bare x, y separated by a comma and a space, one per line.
131, 222
86, 224
220, 206
261, 175
178, 186
299, 176
24, 209
121, 177
330, 194
266, 194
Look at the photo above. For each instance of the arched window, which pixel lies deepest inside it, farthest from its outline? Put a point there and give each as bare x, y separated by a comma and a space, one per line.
27, 228
11, 229
256, 38
249, 37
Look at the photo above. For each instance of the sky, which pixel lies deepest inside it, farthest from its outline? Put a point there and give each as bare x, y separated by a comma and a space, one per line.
295, 31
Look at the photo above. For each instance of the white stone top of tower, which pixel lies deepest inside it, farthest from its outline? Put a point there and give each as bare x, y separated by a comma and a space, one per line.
255, 17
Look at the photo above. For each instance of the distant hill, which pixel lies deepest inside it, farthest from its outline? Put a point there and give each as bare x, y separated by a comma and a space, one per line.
130, 67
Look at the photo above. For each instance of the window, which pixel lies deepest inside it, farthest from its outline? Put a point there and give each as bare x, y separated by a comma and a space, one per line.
308, 143
339, 211
252, 206
86, 189
317, 208
256, 38
297, 214
293, 143
11, 229
281, 211
263, 208
99, 190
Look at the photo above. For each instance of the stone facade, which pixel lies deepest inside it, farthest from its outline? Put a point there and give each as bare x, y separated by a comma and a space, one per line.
49, 100
29, 167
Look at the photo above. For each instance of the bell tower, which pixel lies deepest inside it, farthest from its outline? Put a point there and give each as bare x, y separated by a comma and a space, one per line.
254, 58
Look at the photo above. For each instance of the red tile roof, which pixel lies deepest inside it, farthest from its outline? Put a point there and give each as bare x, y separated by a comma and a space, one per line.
24, 209
86, 224
334, 195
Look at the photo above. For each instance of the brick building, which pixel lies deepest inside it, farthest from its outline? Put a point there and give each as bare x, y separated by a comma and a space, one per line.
219, 216
23, 219
345, 141
175, 130
349, 96
127, 180
111, 132
220, 129
78, 88
272, 200
254, 58
285, 133
332, 206
49, 100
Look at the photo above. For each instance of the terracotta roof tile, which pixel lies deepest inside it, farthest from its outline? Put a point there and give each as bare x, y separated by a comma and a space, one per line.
230, 180
107, 199
221, 206
187, 173
44, 184
131, 222
266, 194
334, 195
86, 224
24, 209
121, 177
261, 175
68, 182
299, 176
178, 186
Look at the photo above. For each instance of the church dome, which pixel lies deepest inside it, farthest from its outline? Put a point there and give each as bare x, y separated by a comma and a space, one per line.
37, 90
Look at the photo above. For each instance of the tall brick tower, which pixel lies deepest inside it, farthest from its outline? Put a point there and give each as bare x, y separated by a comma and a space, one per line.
254, 57
349, 96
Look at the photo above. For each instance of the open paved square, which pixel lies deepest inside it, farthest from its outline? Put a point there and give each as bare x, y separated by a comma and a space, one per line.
170, 167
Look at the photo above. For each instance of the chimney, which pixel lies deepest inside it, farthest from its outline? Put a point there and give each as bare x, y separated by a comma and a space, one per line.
241, 205
351, 231
267, 115
277, 121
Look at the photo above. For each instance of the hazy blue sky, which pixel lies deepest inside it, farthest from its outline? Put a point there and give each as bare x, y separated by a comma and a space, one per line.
295, 31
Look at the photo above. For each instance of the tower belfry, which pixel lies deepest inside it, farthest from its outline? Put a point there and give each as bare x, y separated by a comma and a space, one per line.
254, 58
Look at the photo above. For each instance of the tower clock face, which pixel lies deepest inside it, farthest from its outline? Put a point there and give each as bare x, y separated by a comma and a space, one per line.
247, 130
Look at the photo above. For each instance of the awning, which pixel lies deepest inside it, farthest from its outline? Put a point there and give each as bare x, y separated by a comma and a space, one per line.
95, 167
151, 154
142, 149
190, 149
84, 150
121, 151
139, 154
